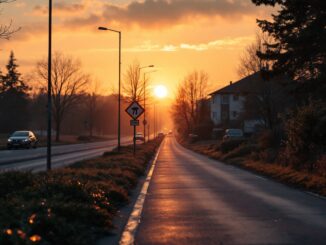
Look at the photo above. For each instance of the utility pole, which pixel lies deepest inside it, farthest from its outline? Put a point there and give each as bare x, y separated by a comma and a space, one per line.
144, 121
48, 157
119, 99
101, 28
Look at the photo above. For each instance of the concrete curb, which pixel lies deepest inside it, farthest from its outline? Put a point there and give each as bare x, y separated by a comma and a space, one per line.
128, 235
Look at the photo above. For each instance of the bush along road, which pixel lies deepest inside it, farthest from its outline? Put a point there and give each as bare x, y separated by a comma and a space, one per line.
71, 205
251, 157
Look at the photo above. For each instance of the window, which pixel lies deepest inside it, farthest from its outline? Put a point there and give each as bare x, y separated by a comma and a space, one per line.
214, 114
235, 114
213, 99
225, 99
235, 97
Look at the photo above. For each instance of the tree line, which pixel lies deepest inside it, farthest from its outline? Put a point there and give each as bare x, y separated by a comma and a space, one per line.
293, 46
78, 108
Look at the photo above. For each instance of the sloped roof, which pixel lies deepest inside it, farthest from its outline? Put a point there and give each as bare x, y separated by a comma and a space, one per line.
249, 84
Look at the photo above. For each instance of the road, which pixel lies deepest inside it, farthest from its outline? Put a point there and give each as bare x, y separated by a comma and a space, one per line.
35, 159
195, 200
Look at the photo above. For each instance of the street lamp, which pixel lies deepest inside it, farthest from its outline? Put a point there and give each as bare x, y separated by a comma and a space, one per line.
48, 155
144, 122
119, 94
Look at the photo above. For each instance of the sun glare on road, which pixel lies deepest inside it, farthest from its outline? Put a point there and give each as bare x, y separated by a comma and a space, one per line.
160, 91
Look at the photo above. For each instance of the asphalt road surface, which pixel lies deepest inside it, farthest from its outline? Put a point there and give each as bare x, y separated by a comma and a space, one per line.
195, 200
35, 159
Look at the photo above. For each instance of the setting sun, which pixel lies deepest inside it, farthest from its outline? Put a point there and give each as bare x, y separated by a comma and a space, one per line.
160, 91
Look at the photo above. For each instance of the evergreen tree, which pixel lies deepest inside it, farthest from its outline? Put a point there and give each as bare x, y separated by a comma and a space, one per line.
13, 99
12, 81
299, 30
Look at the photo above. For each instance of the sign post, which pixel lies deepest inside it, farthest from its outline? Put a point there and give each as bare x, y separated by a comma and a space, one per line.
134, 110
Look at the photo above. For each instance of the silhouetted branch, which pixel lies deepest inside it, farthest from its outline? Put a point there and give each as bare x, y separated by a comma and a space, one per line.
7, 30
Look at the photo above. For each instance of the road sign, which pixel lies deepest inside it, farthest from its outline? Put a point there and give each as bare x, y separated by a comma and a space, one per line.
135, 110
134, 122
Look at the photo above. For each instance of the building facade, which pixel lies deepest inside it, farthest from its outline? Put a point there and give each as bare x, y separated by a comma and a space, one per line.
228, 104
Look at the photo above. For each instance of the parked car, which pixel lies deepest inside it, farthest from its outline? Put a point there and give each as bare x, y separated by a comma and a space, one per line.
139, 136
233, 133
25, 139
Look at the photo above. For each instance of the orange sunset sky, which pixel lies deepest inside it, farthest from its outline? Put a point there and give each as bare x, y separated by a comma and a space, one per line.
177, 36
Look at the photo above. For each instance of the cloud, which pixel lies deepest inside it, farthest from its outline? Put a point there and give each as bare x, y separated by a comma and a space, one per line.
219, 44
149, 46
164, 13
60, 8
20, 4
28, 32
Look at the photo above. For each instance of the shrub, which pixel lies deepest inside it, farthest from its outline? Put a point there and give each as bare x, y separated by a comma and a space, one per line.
242, 150
15, 181
268, 155
321, 165
306, 135
268, 139
204, 130
229, 145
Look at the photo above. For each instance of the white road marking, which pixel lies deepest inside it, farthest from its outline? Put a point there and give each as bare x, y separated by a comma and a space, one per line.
315, 195
128, 235
259, 177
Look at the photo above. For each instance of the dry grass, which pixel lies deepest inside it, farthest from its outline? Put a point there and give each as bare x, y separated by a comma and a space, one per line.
301, 179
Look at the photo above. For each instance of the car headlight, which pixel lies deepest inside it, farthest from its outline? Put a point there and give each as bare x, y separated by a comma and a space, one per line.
9, 140
26, 140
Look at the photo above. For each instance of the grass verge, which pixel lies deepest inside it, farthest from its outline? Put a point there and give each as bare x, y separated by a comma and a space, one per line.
243, 156
72, 205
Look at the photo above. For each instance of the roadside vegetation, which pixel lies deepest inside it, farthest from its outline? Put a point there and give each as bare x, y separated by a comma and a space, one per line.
262, 156
72, 205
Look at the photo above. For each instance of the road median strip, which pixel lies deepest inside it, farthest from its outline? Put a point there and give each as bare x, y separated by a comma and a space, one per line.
72, 205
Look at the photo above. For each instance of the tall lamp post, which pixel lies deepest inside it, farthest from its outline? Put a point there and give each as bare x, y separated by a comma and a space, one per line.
48, 155
148, 132
119, 93
144, 122
154, 120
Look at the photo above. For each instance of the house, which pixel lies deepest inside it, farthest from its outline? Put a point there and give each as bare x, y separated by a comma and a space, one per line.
228, 104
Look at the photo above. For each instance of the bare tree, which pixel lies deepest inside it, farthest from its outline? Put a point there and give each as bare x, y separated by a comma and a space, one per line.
7, 30
133, 86
185, 109
91, 103
250, 63
180, 111
269, 99
68, 83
